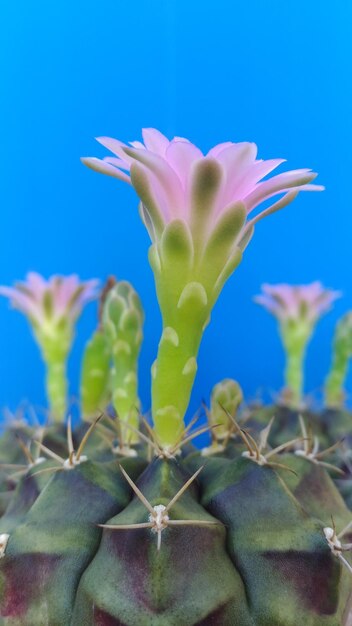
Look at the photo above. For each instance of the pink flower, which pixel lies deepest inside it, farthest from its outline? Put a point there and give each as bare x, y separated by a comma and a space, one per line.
291, 302
52, 300
172, 176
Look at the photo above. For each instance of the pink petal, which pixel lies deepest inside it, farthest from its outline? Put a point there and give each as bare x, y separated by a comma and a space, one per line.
152, 191
87, 291
181, 155
63, 288
36, 283
177, 138
278, 184
22, 301
155, 141
103, 167
117, 162
244, 150
236, 161
214, 152
115, 146
312, 187
255, 173
286, 199
137, 144
294, 301
166, 176
268, 303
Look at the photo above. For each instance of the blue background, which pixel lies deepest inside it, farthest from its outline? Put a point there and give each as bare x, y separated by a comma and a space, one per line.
277, 73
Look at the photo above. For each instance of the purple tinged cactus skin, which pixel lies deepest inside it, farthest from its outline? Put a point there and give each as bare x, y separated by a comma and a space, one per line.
286, 423
315, 490
25, 494
291, 576
265, 562
48, 552
190, 581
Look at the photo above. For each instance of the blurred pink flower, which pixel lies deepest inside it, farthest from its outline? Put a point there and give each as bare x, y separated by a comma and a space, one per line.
297, 302
170, 175
60, 297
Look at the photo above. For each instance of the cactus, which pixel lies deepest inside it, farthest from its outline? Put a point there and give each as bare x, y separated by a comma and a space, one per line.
179, 540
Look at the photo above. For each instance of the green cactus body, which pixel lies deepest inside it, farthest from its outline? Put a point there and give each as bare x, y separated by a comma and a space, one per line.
310, 477
122, 322
279, 549
25, 494
167, 587
251, 538
51, 548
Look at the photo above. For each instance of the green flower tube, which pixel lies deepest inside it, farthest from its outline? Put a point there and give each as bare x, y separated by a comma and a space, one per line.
122, 323
52, 308
200, 212
334, 391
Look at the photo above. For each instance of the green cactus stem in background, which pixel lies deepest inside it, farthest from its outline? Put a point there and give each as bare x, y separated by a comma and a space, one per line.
122, 323
297, 309
341, 354
52, 308
200, 212
95, 391
95, 375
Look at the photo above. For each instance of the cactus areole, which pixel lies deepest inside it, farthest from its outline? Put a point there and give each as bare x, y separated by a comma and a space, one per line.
121, 521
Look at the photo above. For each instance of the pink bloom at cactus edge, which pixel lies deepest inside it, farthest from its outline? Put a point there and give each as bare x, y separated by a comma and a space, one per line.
167, 176
56, 298
296, 301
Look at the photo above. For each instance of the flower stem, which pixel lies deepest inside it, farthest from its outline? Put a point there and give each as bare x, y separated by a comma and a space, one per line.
56, 389
294, 376
295, 337
55, 348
